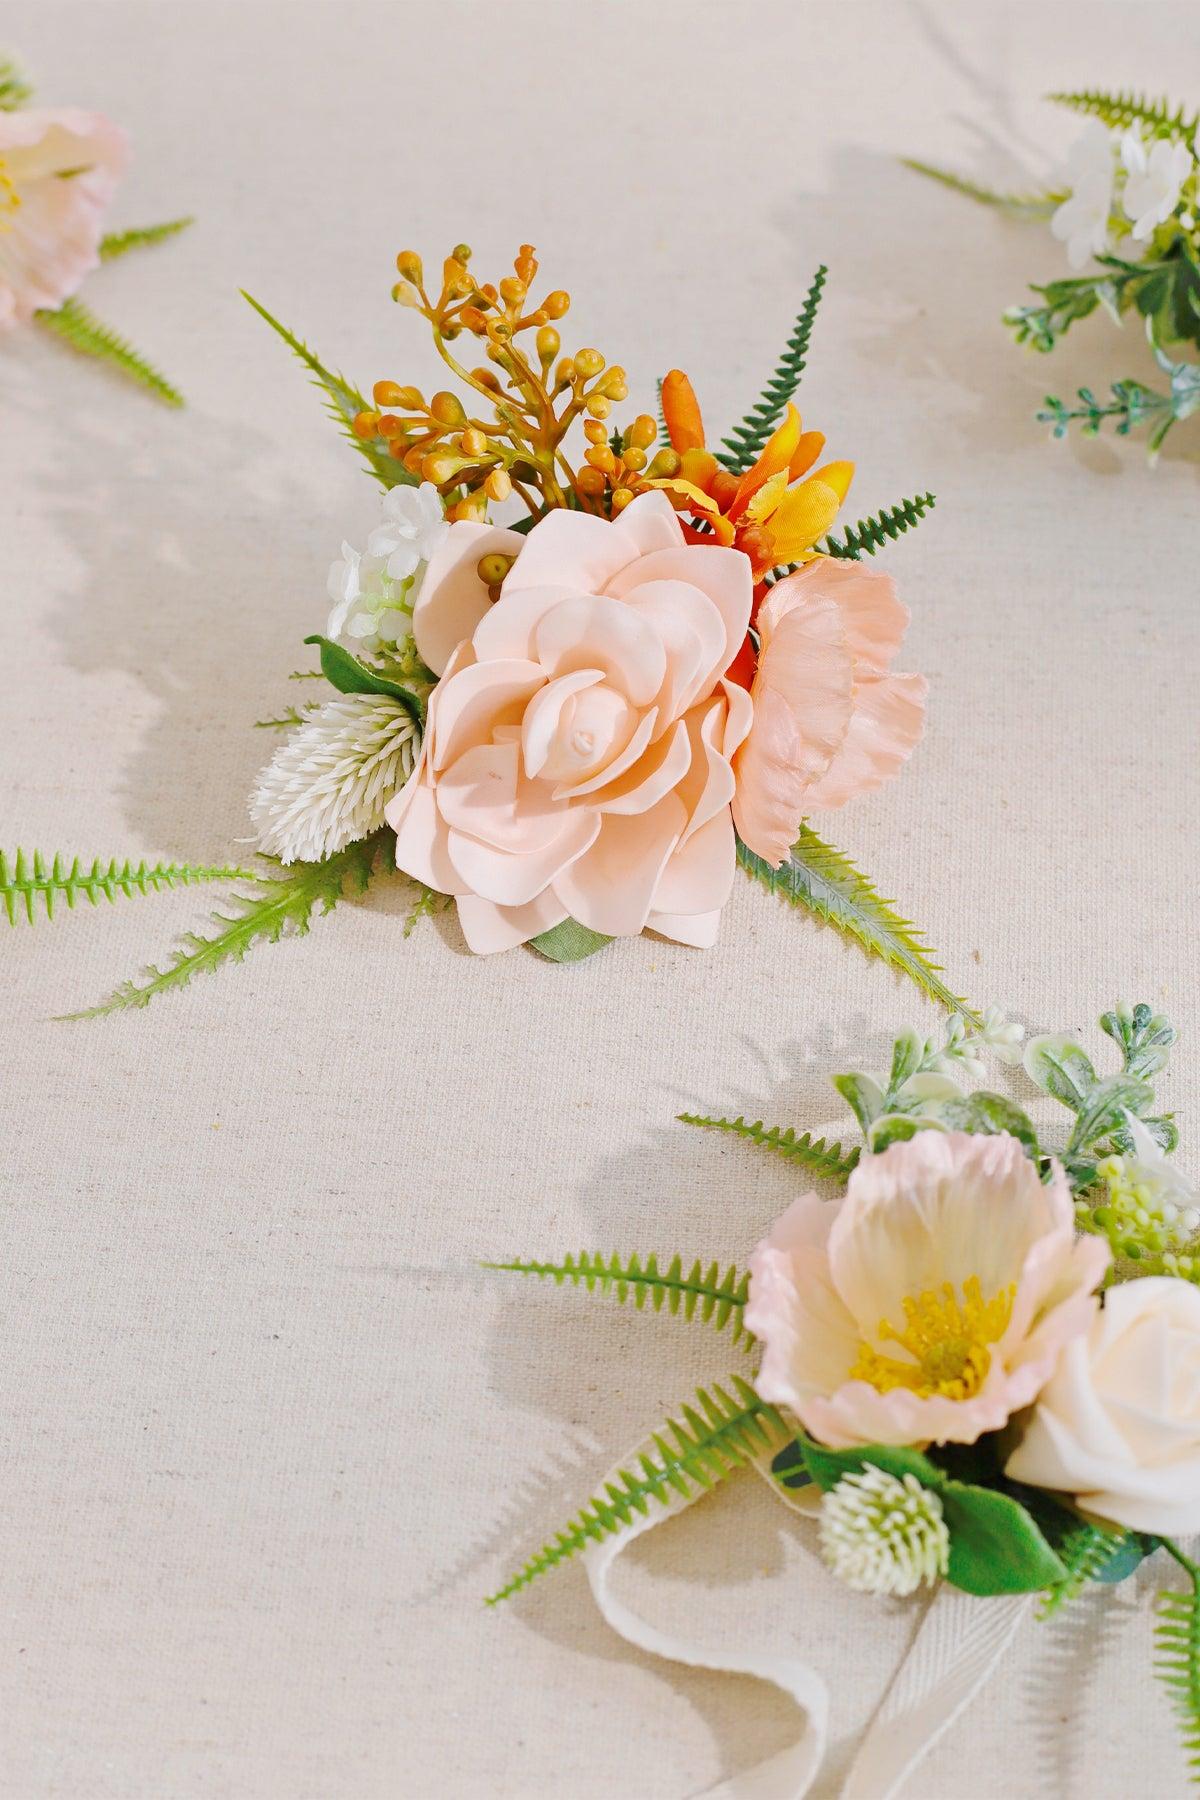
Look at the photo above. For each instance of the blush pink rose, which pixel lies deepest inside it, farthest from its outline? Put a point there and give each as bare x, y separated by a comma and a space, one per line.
928, 1305
577, 759
830, 721
58, 170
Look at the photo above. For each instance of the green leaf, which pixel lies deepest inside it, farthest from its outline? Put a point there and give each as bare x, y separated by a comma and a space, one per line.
1104, 1109
1061, 1067
83, 331
14, 89
140, 237
898, 1128
25, 881
1037, 205
820, 878
995, 1546
989, 1115
699, 1292
862, 1095
569, 942
284, 905
1143, 1037
747, 440
721, 1433
349, 676
829, 1161
1090, 1553
343, 402
879, 529
290, 716
908, 1054
789, 1467
1123, 108
1177, 1654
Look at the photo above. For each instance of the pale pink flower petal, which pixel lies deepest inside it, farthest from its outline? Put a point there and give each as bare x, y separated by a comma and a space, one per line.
886, 726
571, 550
611, 889
659, 770
699, 930
874, 618
481, 696
452, 599
594, 631
699, 876
723, 574
489, 928
61, 167
511, 878
650, 523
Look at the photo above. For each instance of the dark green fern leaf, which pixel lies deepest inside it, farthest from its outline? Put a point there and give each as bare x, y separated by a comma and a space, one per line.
828, 884
721, 1433
748, 439
342, 402
1037, 205
140, 237
701, 1292
1124, 108
27, 881
872, 534
1086, 1550
820, 1158
84, 332
284, 904
1177, 1656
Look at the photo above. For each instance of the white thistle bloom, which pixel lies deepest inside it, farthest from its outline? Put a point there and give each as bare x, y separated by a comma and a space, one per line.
1082, 221
1154, 180
1002, 1035
414, 527
330, 782
882, 1534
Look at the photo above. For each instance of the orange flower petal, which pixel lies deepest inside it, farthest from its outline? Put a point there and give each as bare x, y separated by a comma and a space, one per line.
807, 451
780, 448
698, 466
838, 476
681, 410
803, 515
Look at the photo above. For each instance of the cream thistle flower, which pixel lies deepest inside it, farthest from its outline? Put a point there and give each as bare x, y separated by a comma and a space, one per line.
882, 1534
330, 782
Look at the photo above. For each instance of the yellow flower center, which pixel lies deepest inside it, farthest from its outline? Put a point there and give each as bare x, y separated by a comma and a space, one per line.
10, 200
949, 1341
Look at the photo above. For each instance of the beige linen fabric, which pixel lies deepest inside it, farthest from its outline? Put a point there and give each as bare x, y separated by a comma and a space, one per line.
269, 1435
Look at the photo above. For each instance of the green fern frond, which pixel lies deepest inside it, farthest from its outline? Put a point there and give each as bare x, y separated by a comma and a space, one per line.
427, 902
1037, 205
871, 534
1125, 108
717, 1299
140, 237
824, 880
291, 715
342, 402
1177, 1656
721, 1433
14, 89
746, 441
284, 905
307, 675
84, 332
1085, 1551
812, 1153
24, 880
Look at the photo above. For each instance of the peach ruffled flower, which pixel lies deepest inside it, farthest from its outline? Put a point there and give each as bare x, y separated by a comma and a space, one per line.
929, 1304
577, 759
830, 721
58, 170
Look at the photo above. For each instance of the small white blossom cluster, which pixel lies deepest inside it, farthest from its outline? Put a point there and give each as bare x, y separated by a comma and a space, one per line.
883, 1534
373, 594
960, 1052
1117, 176
328, 785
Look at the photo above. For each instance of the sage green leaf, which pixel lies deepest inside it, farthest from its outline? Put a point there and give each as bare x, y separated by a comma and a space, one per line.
569, 942
907, 1055
827, 1467
995, 1546
989, 1115
1061, 1067
349, 676
897, 1128
1105, 1107
863, 1095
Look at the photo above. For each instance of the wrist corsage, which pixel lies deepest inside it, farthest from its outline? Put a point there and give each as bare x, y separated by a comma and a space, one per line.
977, 1367
1128, 205
59, 168
578, 724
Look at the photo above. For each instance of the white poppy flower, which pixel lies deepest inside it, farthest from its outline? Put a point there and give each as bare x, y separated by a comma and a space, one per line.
1154, 180
414, 527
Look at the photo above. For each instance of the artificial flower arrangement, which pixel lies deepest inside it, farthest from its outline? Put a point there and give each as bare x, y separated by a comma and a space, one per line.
59, 168
577, 725
978, 1366
1128, 204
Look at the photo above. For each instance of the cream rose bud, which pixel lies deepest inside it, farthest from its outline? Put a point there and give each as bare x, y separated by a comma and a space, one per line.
1118, 1425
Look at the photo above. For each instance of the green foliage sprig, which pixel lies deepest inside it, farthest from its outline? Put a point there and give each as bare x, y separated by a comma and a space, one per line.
699, 1292
724, 1430
27, 882
879, 529
747, 440
827, 1161
80, 328
1177, 1654
140, 237
14, 89
1123, 108
1038, 204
